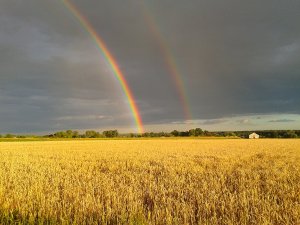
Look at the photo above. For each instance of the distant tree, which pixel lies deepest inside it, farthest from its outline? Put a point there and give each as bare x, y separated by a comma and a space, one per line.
146, 134
21, 136
110, 133
75, 134
198, 132
1, 136
175, 133
206, 133
92, 134
195, 132
231, 134
152, 134
167, 134
48, 136
192, 132
60, 134
69, 134
290, 134
274, 134
82, 135
10, 136
132, 135
161, 134
183, 133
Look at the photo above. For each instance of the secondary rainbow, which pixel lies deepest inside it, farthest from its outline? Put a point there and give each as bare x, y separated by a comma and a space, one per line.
170, 62
110, 60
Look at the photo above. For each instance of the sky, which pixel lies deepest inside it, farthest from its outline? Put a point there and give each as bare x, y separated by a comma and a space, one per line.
233, 65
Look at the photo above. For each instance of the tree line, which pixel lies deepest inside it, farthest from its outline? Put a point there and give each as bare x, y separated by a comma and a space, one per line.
198, 132
86, 134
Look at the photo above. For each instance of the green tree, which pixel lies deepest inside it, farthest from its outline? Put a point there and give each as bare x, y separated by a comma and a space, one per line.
92, 134
111, 133
290, 134
60, 134
274, 134
175, 133
146, 134
132, 135
10, 136
69, 134
183, 133
75, 134
192, 132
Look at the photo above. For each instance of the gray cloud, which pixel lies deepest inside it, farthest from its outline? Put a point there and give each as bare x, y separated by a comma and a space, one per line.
236, 58
201, 122
282, 121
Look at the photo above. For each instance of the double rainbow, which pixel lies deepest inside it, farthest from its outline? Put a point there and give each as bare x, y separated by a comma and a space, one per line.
110, 60
169, 61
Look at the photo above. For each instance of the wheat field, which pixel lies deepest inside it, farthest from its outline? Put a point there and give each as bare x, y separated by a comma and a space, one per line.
155, 181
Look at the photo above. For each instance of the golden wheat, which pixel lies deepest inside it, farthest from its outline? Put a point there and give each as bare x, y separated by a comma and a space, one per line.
181, 181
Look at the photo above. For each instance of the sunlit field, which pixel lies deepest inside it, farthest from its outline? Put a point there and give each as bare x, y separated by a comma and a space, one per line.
155, 181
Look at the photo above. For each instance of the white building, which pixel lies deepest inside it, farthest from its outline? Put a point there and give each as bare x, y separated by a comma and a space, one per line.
253, 136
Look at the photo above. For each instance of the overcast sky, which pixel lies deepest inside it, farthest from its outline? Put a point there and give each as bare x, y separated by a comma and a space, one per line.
239, 62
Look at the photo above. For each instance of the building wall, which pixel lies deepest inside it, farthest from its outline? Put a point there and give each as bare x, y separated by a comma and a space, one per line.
253, 136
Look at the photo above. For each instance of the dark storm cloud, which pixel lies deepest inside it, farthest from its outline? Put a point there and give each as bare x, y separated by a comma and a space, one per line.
236, 58
239, 57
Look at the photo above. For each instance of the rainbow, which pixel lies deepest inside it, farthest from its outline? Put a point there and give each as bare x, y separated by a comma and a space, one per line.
170, 62
110, 60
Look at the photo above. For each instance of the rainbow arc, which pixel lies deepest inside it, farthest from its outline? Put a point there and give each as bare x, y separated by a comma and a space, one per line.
110, 60
169, 61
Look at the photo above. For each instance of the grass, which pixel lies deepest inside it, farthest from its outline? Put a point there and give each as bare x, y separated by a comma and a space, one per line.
158, 181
